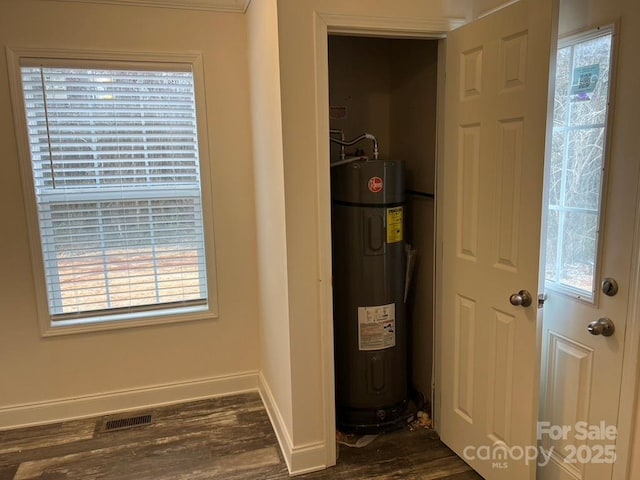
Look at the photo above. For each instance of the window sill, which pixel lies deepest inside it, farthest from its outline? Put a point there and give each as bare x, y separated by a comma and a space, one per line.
583, 296
131, 320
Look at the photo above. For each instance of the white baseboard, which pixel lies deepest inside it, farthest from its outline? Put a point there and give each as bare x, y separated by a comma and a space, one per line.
25, 415
308, 458
282, 434
299, 459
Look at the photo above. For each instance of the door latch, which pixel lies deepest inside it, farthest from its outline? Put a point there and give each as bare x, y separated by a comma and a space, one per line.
542, 297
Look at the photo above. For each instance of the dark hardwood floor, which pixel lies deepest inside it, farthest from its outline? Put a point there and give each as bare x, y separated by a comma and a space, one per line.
223, 438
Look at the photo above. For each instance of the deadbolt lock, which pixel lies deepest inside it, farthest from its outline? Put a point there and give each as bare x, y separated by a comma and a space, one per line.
609, 287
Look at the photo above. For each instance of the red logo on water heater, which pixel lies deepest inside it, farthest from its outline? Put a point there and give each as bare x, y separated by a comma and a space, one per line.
375, 184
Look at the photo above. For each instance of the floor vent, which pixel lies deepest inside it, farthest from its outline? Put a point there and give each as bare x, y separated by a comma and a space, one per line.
129, 422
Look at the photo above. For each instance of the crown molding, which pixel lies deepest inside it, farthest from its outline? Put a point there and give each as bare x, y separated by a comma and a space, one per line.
229, 6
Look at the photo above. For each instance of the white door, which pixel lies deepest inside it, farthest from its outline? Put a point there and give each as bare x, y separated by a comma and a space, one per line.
582, 372
497, 78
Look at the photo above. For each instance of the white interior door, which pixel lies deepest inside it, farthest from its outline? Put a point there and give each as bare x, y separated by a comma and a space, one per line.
582, 372
497, 77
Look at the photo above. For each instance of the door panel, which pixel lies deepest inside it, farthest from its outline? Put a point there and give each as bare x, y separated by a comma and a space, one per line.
567, 399
468, 171
494, 145
501, 378
464, 359
508, 181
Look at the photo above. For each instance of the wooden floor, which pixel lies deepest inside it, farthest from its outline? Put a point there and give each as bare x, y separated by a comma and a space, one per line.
223, 438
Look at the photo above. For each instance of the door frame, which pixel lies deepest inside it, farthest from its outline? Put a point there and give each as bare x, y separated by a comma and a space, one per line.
435, 28
628, 416
357, 25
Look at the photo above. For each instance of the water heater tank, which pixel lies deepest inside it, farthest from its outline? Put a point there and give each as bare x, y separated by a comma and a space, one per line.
369, 263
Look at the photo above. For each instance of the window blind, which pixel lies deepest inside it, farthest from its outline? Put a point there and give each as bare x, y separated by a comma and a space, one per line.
116, 173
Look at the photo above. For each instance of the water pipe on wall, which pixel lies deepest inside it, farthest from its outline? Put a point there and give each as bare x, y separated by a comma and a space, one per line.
364, 136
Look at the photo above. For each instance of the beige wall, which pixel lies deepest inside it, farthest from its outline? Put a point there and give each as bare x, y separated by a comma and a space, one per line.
35, 369
482, 7
414, 72
579, 14
275, 351
413, 113
360, 80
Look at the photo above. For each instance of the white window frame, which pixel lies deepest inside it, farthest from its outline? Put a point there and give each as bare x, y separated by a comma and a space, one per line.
571, 40
138, 316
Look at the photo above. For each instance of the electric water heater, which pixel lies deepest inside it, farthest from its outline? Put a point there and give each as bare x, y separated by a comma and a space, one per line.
369, 264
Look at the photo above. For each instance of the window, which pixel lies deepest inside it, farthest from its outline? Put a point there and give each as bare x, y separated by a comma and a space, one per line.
114, 162
577, 164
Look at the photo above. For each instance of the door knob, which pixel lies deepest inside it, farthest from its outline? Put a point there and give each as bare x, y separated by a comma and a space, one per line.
602, 326
520, 299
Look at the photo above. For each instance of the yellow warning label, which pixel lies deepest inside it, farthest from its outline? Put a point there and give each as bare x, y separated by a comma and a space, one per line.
394, 224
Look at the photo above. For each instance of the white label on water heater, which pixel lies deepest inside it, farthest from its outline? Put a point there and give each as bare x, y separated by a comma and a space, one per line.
377, 327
